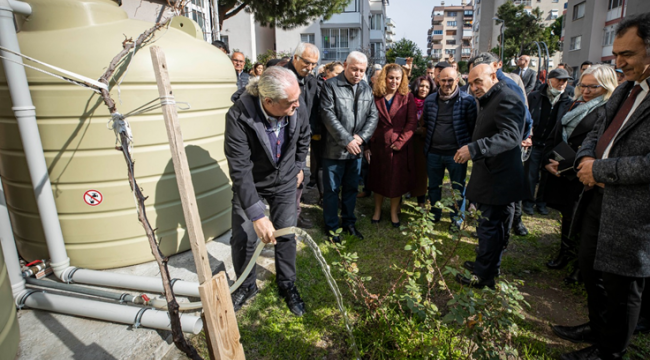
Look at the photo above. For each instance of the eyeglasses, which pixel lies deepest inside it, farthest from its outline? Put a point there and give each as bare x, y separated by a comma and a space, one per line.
307, 62
590, 87
239, 61
446, 81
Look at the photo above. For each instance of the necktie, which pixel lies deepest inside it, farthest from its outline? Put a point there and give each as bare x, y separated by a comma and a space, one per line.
616, 124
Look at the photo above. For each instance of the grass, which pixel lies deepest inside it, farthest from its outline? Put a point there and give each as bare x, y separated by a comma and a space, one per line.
269, 331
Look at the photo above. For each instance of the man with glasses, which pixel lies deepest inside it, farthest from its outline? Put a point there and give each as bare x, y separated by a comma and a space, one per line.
238, 61
305, 59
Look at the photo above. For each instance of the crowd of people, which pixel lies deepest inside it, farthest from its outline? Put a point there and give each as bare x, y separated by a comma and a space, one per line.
578, 145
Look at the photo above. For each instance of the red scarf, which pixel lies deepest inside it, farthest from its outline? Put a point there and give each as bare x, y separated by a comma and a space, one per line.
419, 105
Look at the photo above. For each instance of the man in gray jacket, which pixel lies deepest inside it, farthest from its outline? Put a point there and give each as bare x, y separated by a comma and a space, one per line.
350, 117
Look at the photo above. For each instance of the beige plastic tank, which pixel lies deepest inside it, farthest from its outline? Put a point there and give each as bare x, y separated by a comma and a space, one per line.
9, 333
83, 36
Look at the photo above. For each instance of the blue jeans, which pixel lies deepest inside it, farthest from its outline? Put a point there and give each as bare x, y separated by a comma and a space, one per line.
337, 174
436, 165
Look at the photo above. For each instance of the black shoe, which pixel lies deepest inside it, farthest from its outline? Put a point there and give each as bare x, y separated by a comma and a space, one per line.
577, 334
590, 353
642, 326
542, 209
373, 221
241, 295
475, 281
469, 265
573, 278
304, 223
293, 300
527, 209
560, 262
520, 229
335, 239
353, 231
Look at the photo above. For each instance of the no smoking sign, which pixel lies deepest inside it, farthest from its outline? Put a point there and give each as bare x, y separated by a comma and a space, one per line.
93, 197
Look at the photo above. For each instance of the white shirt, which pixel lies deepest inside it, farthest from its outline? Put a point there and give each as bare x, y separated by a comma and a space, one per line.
523, 71
644, 92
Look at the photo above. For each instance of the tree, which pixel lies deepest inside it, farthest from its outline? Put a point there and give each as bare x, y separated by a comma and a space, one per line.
285, 14
522, 29
407, 48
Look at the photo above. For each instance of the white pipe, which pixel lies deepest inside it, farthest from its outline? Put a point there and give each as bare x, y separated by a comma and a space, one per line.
25, 113
20, 7
123, 314
9, 248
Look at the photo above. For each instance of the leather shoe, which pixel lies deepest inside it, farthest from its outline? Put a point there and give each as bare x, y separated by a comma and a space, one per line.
642, 326
573, 278
542, 209
469, 265
335, 239
304, 223
475, 281
353, 231
520, 229
577, 334
559, 262
241, 295
527, 209
589, 353
293, 300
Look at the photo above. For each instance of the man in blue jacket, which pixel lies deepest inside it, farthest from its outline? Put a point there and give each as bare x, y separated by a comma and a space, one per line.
449, 115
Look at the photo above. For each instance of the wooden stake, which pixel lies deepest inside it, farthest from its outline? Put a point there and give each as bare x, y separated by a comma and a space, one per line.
221, 324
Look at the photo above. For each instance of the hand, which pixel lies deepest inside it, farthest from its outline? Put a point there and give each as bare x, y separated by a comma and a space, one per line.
367, 154
409, 61
462, 155
264, 230
353, 147
358, 139
585, 173
394, 147
300, 177
527, 143
600, 185
552, 167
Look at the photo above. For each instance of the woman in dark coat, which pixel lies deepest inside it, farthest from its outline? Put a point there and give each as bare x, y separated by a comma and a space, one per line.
420, 88
563, 187
391, 161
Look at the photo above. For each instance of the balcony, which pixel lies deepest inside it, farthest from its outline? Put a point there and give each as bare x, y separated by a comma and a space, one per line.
389, 38
436, 46
430, 31
391, 30
522, 2
390, 22
467, 34
440, 18
438, 37
438, 27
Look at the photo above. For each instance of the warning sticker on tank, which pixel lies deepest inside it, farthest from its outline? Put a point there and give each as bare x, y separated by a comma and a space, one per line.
93, 197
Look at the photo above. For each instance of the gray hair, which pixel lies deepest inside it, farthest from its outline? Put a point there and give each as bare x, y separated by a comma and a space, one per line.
356, 57
605, 76
272, 84
302, 47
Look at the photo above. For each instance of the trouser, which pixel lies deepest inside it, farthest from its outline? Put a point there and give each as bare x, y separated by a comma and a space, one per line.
363, 174
436, 165
492, 230
316, 165
244, 239
532, 168
339, 174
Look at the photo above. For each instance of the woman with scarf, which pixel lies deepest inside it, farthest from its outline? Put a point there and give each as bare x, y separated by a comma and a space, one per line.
563, 188
390, 154
420, 88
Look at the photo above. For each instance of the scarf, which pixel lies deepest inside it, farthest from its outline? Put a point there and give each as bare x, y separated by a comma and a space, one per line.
575, 116
453, 95
553, 94
419, 106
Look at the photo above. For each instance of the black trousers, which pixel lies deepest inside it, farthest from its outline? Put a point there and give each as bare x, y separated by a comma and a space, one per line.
614, 300
283, 214
532, 168
493, 229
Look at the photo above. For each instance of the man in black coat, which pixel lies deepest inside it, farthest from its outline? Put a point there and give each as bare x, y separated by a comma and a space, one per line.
497, 178
613, 164
528, 76
266, 145
547, 106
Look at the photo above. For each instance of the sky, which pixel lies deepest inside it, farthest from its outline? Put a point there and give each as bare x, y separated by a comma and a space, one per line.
413, 19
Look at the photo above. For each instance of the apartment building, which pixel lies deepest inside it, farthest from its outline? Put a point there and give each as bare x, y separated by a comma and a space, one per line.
390, 32
590, 26
487, 31
450, 35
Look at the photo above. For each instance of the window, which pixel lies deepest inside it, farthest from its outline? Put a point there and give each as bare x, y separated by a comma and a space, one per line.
335, 44
438, 13
451, 13
451, 23
224, 38
554, 14
613, 4
579, 11
466, 51
468, 13
451, 32
437, 32
478, 11
528, 11
199, 11
450, 51
353, 6
575, 42
451, 42
608, 39
308, 38
556, 1
375, 22
467, 24
376, 50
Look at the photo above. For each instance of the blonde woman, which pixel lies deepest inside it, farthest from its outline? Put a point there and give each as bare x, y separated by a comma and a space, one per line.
596, 85
391, 162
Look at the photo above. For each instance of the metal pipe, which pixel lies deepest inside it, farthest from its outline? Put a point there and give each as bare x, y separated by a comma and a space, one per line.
25, 113
9, 248
99, 310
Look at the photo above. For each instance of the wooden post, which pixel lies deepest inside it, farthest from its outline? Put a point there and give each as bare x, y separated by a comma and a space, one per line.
220, 326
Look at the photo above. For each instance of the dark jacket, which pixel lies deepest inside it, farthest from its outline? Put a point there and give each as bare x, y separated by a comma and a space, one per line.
529, 79
253, 171
497, 173
624, 233
345, 115
242, 79
309, 93
464, 118
544, 114
565, 190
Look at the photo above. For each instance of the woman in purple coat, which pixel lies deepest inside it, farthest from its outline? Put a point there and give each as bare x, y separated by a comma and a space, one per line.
391, 162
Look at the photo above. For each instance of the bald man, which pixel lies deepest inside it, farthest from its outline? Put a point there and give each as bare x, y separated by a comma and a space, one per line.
528, 76
497, 178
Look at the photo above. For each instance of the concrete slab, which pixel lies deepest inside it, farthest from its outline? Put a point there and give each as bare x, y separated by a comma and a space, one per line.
47, 335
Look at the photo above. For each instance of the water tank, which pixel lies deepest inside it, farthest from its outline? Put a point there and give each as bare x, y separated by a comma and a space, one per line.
9, 333
89, 178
